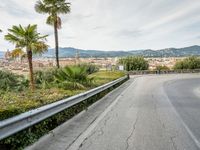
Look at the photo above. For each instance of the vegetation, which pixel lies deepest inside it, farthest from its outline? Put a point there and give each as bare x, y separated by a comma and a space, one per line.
134, 63
52, 85
188, 63
46, 86
103, 77
164, 68
12, 82
45, 79
53, 8
29, 40
30, 135
90, 68
18, 53
73, 77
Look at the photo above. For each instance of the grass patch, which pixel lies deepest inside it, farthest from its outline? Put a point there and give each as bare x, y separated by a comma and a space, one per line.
103, 77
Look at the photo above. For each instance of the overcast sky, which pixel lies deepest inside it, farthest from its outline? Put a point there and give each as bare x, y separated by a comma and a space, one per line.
112, 24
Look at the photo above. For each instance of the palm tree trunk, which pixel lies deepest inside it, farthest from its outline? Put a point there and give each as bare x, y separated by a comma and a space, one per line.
56, 43
30, 63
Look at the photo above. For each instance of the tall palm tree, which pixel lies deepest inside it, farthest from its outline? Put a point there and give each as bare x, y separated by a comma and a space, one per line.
53, 8
29, 40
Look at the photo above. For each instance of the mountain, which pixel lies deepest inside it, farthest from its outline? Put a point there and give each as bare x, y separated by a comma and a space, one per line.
71, 52
169, 52
2, 54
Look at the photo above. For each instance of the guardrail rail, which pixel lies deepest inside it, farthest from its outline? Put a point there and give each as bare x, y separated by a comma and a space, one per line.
142, 72
20, 122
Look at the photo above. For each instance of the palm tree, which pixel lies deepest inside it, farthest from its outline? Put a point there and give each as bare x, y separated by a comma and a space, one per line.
53, 8
17, 53
74, 77
29, 40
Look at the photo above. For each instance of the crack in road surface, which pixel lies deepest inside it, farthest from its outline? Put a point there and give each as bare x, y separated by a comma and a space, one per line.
80, 134
101, 132
173, 142
132, 132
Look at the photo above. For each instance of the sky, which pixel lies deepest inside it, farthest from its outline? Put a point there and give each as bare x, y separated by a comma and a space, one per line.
112, 24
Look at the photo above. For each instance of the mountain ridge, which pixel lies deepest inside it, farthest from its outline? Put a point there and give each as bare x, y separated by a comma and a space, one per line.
167, 52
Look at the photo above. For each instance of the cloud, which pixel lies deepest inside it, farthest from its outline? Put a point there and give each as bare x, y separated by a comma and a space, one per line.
112, 24
128, 33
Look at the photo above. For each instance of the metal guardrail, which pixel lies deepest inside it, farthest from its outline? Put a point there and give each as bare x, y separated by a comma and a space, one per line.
20, 122
164, 71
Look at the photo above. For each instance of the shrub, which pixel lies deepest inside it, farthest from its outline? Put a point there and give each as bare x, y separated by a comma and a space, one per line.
90, 68
159, 68
188, 63
73, 77
134, 63
9, 81
45, 78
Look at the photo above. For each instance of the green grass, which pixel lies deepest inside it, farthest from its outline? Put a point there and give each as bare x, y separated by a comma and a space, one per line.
12, 103
103, 77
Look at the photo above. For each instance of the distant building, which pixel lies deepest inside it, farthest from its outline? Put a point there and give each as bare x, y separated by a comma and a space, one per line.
7, 55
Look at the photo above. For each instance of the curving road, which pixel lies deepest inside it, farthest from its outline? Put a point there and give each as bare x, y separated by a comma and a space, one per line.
158, 112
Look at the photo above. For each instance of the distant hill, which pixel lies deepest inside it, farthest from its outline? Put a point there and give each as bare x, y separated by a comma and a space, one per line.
169, 52
71, 52
2, 54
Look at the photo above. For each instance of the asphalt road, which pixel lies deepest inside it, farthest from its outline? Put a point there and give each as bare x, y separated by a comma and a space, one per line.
149, 113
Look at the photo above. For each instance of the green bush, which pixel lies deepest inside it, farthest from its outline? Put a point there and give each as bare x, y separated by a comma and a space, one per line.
134, 63
69, 77
73, 77
12, 82
164, 68
45, 79
188, 63
90, 68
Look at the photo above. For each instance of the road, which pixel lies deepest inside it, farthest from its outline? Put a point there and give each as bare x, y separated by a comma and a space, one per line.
154, 112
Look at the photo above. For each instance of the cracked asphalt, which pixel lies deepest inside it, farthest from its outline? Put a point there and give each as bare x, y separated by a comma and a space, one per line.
154, 112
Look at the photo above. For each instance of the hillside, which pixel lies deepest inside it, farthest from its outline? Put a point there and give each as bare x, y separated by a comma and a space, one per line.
2, 54
169, 52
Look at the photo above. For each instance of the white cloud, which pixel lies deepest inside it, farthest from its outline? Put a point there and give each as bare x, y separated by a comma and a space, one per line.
113, 24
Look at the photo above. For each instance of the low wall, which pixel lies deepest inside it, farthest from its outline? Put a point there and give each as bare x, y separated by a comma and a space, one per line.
142, 72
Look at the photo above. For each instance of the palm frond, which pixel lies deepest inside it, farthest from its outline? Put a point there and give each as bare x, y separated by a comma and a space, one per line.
50, 20
73, 76
39, 47
41, 8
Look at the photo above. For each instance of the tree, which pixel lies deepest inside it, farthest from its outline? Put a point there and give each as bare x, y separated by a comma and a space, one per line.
134, 63
53, 8
29, 40
17, 53
188, 63
164, 68
1, 30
